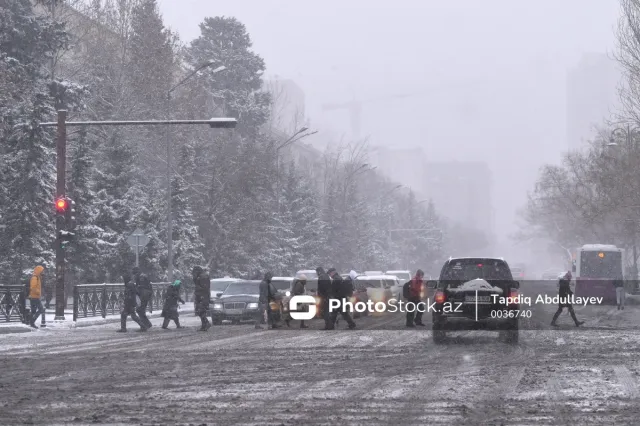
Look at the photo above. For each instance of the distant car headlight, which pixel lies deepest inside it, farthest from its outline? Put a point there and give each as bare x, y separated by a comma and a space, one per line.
352, 299
252, 306
217, 306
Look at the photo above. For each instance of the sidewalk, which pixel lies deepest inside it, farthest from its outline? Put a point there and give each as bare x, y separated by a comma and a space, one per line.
68, 323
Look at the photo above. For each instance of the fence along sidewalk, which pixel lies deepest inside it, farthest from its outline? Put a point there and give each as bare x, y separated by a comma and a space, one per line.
92, 300
12, 303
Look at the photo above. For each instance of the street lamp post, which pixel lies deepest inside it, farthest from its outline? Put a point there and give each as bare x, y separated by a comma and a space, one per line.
169, 174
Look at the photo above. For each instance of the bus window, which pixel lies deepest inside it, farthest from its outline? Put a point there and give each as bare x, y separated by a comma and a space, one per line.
600, 265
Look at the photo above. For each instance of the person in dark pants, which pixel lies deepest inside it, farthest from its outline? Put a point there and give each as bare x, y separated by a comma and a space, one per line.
267, 295
35, 293
340, 292
145, 292
170, 308
129, 308
298, 290
618, 283
324, 292
565, 293
415, 289
202, 294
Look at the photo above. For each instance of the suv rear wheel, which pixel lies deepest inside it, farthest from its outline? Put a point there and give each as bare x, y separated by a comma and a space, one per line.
439, 335
512, 333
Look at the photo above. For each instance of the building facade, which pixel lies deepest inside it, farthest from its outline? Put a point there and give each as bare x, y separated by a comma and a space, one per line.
462, 192
592, 97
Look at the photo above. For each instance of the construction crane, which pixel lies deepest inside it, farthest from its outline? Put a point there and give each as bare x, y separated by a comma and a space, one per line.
355, 109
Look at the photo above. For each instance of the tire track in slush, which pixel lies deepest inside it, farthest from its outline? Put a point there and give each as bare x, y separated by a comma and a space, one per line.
625, 378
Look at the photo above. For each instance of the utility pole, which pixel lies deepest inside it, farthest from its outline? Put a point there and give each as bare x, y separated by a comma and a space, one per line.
61, 152
61, 165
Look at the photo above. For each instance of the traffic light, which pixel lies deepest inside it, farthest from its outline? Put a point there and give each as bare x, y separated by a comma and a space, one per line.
70, 215
65, 237
62, 205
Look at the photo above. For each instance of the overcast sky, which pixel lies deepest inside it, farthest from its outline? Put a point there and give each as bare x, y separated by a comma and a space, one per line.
490, 74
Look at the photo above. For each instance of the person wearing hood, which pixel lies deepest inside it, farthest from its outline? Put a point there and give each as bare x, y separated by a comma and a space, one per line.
267, 294
145, 292
170, 308
564, 292
35, 293
341, 291
129, 306
414, 291
202, 295
299, 288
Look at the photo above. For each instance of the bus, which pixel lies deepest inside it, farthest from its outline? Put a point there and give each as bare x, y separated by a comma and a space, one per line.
597, 265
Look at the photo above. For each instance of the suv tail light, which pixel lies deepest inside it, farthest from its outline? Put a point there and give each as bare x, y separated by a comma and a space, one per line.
440, 297
513, 295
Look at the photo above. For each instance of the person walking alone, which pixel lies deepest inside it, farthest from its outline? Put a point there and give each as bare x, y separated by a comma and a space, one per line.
35, 294
565, 293
415, 290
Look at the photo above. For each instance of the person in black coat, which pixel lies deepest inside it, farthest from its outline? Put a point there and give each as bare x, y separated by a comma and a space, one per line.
267, 294
145, 292
129, 308
325, 294
340, 291
564, 292
170, 308
299, 288
202, 295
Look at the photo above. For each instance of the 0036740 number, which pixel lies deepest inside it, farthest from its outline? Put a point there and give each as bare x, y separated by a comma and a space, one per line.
511, 314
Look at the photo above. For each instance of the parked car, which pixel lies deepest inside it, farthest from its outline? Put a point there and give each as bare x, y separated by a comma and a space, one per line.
552, 274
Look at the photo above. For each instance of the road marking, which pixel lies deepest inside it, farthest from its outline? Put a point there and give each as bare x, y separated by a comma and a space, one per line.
628, 383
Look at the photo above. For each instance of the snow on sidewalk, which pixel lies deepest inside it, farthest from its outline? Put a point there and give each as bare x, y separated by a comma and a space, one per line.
16, 327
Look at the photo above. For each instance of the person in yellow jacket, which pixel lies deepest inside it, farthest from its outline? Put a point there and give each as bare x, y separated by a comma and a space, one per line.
35, 292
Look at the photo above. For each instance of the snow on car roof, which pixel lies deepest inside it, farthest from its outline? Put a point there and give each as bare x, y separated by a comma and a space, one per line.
397, 272
376, 277
282, 278
227, 279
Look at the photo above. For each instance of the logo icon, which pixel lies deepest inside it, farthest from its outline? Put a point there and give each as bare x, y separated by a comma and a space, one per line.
295, 303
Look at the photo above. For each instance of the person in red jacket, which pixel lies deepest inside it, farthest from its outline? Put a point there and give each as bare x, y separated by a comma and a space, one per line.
415, 289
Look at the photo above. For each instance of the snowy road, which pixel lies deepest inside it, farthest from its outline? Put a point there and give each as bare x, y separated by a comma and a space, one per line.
378, 374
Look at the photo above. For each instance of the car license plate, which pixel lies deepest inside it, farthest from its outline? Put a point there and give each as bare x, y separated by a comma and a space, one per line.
479, 299
233, 311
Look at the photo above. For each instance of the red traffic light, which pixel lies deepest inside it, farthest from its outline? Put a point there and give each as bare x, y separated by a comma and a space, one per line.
62, 205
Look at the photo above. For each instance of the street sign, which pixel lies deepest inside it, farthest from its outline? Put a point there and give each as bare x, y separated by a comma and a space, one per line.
137, 240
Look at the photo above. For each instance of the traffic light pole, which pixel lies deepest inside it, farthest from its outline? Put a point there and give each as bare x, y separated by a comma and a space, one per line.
61, 150
61, 166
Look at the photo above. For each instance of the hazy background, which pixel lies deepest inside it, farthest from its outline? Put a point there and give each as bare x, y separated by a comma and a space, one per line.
491, 74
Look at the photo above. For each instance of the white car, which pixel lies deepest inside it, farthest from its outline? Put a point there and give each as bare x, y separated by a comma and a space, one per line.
403, 276
283, 284
381, 288
219, 285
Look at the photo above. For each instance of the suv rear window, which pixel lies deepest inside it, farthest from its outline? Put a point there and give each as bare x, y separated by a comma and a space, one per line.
458, 271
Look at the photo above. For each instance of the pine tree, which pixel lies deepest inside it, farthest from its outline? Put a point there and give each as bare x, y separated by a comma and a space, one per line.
84, 254
27, 42
188, 246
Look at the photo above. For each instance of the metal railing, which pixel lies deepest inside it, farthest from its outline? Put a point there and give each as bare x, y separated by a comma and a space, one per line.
92, 300
12, 303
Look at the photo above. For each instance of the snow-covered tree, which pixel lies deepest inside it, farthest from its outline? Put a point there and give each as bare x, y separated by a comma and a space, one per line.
27, 43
